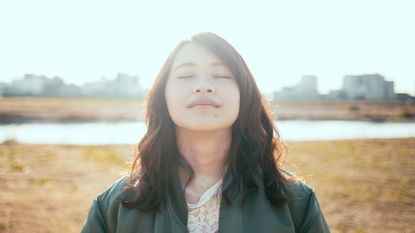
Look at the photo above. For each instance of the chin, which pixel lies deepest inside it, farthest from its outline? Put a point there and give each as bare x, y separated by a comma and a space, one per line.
205, 127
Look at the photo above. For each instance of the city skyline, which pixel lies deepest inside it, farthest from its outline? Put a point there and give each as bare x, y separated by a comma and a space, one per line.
280, 41
354, 87
269, 91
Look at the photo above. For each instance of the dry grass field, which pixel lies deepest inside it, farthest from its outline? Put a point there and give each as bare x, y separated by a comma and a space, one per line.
364, 186
333, 110
21, 110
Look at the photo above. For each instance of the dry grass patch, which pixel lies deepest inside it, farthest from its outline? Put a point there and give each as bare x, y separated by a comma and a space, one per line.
363, 186
53, 186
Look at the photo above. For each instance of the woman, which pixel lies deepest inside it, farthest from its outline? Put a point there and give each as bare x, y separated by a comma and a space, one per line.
209, 161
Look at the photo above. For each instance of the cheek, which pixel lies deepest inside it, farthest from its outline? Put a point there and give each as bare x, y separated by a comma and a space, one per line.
175, 100
169, 94
233, 101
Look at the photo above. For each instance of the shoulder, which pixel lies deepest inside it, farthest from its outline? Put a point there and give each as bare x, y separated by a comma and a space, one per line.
304, 207
298, 192
102, 215
295, 188
110, 196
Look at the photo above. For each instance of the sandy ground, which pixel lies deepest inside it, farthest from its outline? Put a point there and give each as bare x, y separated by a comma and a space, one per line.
364, 186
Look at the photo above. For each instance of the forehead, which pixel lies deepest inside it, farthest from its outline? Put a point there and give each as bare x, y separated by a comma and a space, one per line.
196, 54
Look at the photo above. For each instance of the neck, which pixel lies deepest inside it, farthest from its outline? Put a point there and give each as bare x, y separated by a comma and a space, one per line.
206, 152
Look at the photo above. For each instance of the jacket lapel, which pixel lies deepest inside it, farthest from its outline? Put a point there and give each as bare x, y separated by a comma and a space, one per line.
257, 215
173, 218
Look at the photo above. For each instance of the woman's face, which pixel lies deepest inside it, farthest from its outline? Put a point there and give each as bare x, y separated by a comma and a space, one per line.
201, 92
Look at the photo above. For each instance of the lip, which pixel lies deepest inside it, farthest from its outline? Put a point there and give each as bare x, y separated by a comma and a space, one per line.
202, 103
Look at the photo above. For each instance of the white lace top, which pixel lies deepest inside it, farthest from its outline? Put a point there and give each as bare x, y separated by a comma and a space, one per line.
204, 215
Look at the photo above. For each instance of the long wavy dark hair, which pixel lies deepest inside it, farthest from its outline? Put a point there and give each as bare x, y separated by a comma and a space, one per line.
256, 149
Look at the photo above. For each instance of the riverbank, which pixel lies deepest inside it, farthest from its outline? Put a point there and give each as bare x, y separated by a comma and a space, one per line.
71, 110
362, 185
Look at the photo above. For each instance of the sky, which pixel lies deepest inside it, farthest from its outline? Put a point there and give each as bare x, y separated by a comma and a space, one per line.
85, 40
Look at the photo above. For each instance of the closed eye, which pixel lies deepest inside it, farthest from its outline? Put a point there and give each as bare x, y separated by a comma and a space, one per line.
185, 76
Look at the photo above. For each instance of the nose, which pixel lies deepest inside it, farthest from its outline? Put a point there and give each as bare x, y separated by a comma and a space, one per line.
203, 86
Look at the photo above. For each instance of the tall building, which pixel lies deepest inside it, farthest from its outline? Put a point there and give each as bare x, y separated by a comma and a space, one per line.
128, 85
389, 90
308, 86
30, 84
306, 89
124, 85
2, 88
368, 87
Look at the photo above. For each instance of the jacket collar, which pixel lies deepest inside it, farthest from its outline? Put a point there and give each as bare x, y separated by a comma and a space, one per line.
230, 216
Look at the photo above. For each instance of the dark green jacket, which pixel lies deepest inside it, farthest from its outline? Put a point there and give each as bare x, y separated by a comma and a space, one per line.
303, 214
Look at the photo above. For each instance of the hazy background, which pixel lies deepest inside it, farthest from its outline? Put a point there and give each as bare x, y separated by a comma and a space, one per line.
356, 152
83, 41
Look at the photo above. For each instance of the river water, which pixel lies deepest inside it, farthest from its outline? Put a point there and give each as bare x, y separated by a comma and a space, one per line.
131, 132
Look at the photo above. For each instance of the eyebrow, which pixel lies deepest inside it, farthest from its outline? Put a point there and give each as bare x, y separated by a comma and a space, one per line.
218, 64
192, 64
183, 64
